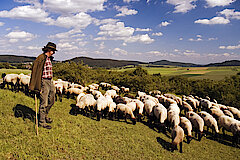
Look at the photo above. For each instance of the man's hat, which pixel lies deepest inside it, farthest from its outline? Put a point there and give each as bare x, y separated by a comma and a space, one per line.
51, 46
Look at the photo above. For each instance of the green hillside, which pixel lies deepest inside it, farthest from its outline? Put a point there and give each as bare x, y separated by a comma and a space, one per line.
80, 137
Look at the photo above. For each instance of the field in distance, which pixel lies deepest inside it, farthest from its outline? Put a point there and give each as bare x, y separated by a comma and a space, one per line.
213, 73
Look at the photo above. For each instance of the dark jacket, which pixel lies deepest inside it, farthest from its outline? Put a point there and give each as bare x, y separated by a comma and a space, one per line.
37, 71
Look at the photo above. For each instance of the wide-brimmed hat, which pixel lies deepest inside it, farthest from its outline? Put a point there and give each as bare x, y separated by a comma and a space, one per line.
51, 46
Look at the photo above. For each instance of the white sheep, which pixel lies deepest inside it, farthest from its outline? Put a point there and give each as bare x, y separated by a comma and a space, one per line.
197, 122
209, 121
231, 125
127, 111
86, 103
160, 115
11, 79
228, 113
111, 93
173, 118
235, 112
24, 81
186, 107
116, 88
177, 137
101, 105
187, 127
140, 108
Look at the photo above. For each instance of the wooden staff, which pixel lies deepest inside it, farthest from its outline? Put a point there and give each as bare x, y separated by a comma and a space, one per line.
36, 108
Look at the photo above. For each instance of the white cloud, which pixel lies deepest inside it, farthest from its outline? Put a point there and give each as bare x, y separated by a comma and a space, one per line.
182, 6
128, 1
125, 11
15, 36
157, 34
68, 34
214, 3
66, 46
140, 38
74, 6
212, 39
143, 30
191, 53
80, 20
116, 30
118, 52
198, 39
1, 24
164, 24
230, 47
180, 39
105, 21
230, 14
33, 48
215, 20
30, 13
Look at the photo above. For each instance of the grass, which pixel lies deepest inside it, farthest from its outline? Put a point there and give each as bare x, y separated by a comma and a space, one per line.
213, 73
79, 137
17, 71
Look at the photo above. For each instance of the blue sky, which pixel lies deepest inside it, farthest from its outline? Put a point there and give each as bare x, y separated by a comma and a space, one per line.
196, 31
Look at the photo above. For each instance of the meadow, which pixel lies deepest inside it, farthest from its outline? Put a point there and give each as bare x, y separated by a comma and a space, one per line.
213, 73
80, 137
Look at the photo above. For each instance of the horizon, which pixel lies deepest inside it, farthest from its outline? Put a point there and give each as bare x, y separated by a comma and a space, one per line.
189, 31
130, 60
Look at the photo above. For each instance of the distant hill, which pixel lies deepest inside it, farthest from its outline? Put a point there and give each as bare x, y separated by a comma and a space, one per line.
110, 63
16, 59
226, 63
106, 63
179, 64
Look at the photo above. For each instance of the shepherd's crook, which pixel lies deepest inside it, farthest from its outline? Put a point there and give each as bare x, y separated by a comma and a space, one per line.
36, 113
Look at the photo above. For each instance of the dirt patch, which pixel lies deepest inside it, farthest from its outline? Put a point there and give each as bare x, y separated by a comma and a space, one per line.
197, 68
196, 72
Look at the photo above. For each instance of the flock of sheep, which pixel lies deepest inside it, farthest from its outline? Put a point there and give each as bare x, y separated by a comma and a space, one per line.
166, 112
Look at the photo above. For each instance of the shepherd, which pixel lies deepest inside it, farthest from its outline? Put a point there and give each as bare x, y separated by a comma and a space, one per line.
41, 83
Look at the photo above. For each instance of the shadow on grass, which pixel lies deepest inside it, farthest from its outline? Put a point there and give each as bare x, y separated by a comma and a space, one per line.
225, 139
166, 145
24, 112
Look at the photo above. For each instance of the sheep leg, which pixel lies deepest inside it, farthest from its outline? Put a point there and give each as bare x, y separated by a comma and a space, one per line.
98, 115
180, 147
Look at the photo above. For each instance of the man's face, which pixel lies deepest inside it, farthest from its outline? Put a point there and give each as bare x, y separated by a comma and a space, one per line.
52, 52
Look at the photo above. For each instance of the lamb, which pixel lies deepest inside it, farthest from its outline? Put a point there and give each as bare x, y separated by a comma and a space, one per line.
209, 121
177, 137
187, 127
127, 111
231, 125
11, 79
197, 122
